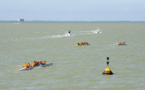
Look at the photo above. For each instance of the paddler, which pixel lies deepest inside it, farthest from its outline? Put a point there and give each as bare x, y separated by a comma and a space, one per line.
69, 32
26, 65
86, 43
29, 65
34, 63
80, 43
37, 63
120, 43
123, 43
83, 43
43, 62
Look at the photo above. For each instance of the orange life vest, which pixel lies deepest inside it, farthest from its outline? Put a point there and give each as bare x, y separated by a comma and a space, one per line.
43, 62
34, 63
29, 65
26, 65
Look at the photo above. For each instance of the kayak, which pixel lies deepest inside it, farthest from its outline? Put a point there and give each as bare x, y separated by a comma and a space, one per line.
40, 65
29, 68
81, 44
48, 64
116, 44
119, 43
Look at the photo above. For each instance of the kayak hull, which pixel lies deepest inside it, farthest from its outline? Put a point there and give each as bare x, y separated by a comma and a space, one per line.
82, 44
22, 69
118, 44
48, 64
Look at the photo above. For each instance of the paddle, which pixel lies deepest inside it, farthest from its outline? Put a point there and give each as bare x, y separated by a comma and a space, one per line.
20, 66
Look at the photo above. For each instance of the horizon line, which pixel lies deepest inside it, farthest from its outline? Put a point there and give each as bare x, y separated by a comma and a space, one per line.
65, 21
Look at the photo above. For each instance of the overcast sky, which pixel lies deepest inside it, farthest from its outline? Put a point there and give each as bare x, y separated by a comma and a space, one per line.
73, 10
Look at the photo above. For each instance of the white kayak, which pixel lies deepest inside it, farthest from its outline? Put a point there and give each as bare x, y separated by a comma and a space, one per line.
118, 44
29, 68
41, 65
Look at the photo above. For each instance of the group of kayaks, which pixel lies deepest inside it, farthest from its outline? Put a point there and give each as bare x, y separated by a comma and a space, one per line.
82, 43
31, 67
48, 64
86, 43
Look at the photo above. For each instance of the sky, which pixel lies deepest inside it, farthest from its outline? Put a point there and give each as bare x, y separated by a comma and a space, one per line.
73, 10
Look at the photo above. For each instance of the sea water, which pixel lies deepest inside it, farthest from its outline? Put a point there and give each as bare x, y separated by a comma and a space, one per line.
74, 67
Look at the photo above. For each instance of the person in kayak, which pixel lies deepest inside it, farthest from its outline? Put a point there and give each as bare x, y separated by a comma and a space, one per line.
26, 65
86, 43
37, 63
29, 65
81, 43
34, 63
123, 43
78, 43
42, 62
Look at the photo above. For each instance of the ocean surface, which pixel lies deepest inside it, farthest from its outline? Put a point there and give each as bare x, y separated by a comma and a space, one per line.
74, 67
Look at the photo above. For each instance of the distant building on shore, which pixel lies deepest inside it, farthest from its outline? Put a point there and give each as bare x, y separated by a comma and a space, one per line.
20, 20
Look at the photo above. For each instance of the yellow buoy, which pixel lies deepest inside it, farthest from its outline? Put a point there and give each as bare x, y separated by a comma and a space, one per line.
107, 70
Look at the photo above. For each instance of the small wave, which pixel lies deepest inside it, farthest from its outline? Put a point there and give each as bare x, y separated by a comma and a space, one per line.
54, 36
89, 32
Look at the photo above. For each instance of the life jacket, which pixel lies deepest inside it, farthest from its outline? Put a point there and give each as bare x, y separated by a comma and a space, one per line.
86, 43
83, 43
26, 65
43, 62
29, 65
37, 63
120, 43
34, 64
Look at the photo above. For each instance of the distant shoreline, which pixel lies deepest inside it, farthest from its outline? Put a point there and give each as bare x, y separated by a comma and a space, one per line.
67, 21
